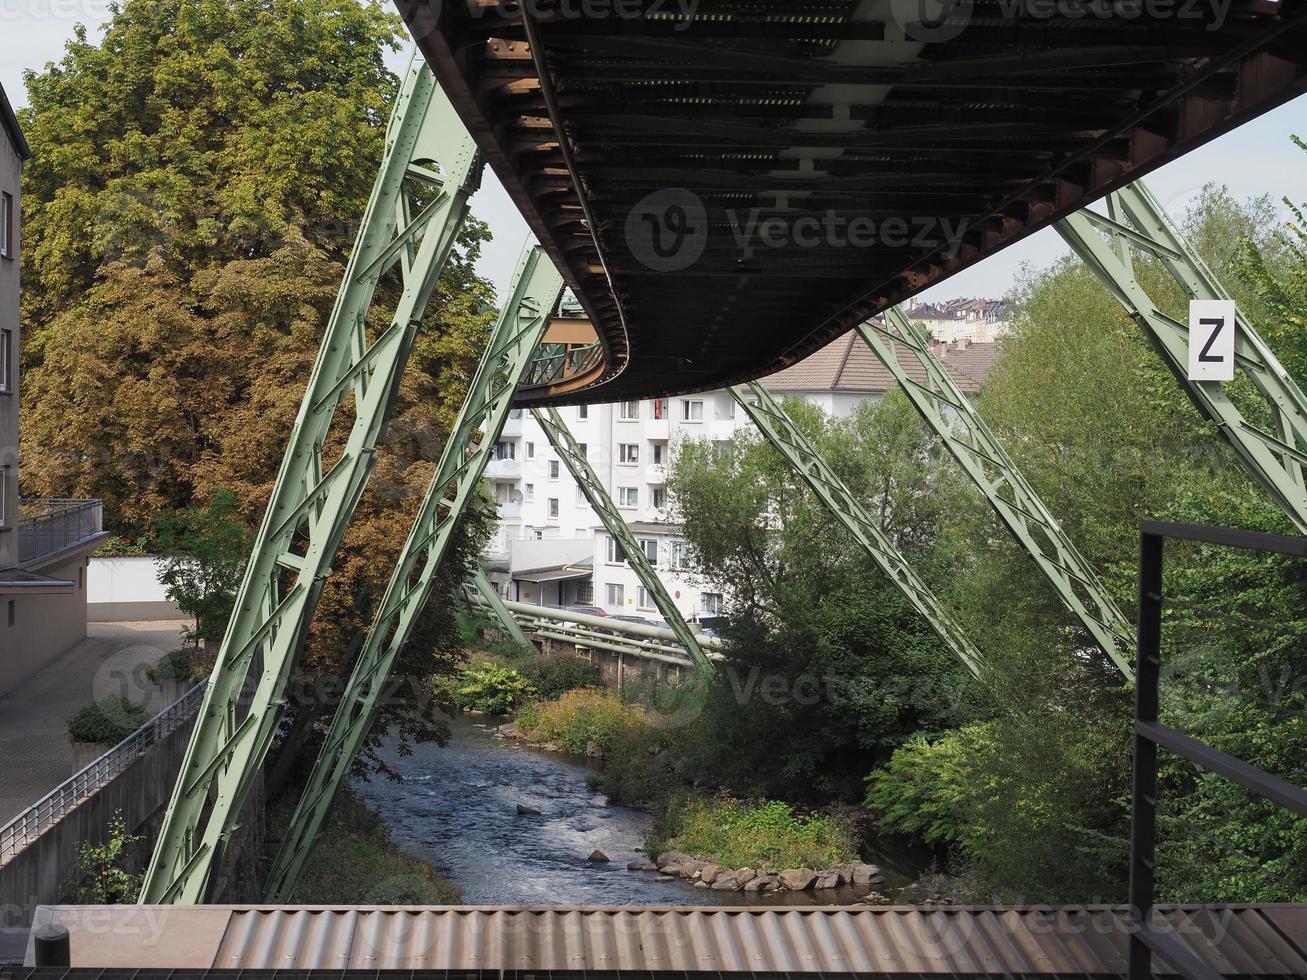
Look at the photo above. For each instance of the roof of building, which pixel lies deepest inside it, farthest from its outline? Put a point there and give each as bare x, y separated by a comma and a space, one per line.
9, 119
1249, 941
848, 364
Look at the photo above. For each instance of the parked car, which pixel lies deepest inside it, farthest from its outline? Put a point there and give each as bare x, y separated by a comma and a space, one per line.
709, 624
634, 619
585, 610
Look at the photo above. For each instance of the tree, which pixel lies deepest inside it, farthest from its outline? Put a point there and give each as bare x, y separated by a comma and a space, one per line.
827, 667
195, 188
204, 552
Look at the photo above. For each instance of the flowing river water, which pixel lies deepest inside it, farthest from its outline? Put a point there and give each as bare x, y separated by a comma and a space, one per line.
456, 807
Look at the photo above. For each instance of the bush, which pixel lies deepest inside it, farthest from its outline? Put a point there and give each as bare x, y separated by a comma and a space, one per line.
581, 721
179, 665
921, 789
489, 687
108, 721
740, 834
103, 878
553, 675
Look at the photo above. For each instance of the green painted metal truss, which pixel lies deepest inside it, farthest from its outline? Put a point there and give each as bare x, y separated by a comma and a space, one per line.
959, 426
1136, 221
584, 475
416, 208
518, 330
780, 431
486, 593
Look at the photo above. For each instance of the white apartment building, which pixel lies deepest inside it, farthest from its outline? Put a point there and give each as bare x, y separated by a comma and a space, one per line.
981, 321
550, 548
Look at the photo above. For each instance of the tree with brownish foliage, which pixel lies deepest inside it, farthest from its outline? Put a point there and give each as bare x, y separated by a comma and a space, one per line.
194, 191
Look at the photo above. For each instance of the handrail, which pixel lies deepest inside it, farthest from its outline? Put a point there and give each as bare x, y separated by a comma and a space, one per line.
603, 632
64, 522
51, 808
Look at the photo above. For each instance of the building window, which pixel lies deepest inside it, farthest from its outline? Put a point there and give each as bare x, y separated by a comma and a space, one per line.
650, 548
530, 450
616, 593
581, 450
628, 411
13, 617
505, 450
721, 449
679, 554
628, 496
538, 534
660, 408
583, 411
659, 495
711, 601
585, 593
659, 451
503, 493
4, 496
613, 554
643, 598
628, 452
530, 491
691, 410
553, 469
6, 225
6, 360
581, 501
553, 506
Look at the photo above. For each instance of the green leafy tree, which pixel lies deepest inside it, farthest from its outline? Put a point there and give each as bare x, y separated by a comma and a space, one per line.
102, 875
204, 551
827, 667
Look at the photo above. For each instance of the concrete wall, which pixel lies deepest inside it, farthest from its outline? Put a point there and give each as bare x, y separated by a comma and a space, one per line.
125, 589
11, 168
44, 626
41, 873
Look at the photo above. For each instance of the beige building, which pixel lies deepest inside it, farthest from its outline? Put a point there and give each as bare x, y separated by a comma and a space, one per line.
44, 544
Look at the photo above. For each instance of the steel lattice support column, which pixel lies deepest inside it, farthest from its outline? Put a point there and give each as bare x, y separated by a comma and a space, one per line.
427, 151
481, 584
779, 430
584, 475
959, 426
1275, 460
517, 332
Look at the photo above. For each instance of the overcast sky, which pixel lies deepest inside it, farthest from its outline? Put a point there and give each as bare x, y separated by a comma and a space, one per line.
1254, 159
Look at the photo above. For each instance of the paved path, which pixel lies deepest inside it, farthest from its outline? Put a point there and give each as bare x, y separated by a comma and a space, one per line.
35, 755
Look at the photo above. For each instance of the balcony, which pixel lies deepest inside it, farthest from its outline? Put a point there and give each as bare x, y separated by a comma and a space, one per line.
46, 527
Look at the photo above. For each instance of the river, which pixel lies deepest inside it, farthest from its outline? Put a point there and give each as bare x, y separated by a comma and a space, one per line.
456, 807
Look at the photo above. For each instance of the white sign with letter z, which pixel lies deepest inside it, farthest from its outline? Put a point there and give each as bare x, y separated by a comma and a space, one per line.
1211, 340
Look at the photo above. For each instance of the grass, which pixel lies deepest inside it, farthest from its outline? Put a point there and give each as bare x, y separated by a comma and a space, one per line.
355, 862
741, 834
581, 719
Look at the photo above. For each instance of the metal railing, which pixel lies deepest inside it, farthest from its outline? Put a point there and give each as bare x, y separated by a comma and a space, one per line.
47, 526
51, 808
1150, 734
603, 632
555, 363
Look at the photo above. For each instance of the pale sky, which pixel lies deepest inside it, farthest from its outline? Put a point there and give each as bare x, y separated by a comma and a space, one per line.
1254, 159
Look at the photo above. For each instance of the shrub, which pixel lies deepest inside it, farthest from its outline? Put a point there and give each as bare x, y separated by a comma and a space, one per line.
553, 675
102, 877
108, 721
489, 687
920, 790
179, 665
581, 719
744, 834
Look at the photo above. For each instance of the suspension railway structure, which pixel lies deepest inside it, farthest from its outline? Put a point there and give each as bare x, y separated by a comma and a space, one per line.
666, 159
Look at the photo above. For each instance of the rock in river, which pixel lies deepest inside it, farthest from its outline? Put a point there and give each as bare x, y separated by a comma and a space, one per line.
527, 811
798, 879
598, 856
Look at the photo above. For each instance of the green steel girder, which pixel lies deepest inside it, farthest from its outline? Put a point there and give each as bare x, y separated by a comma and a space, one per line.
584, 475
491, 597
517, 332
959, 426
428, 150
1104, 243
780, 431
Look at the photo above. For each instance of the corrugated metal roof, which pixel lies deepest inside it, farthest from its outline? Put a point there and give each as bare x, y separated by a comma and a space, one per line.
1252, 941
